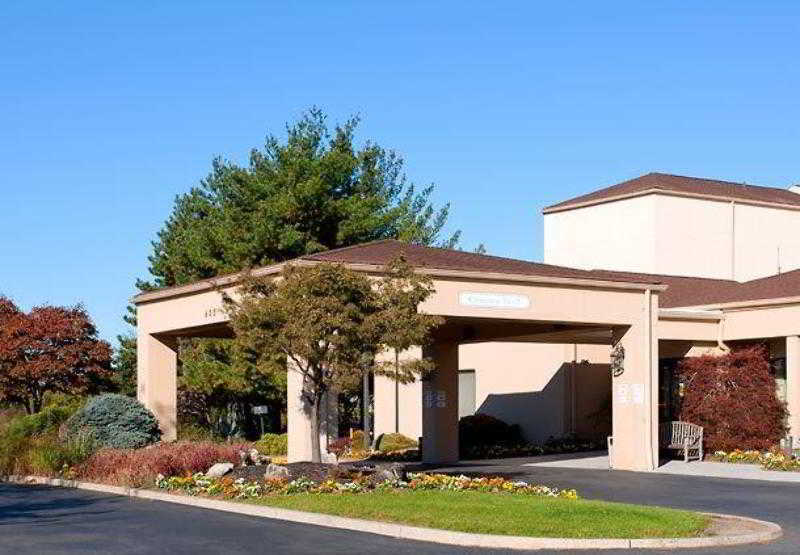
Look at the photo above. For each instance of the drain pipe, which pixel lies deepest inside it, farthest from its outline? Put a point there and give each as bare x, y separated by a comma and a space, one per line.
721, 335
648, 344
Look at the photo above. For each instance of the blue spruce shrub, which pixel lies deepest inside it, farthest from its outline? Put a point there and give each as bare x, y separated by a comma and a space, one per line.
115, 421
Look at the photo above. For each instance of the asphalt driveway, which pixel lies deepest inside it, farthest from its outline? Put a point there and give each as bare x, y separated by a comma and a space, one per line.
35, 519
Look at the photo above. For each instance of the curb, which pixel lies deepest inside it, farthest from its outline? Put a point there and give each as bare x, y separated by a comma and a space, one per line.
769, 531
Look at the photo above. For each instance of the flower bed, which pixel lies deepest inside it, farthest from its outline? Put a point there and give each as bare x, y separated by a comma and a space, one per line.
769, 460
198, 484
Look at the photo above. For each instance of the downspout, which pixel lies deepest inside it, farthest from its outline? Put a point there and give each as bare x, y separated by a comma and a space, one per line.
733, 240
648, 345
721, 335
573, 389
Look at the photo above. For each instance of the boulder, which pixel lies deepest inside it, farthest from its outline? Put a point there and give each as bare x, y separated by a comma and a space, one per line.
252, 456
257, 457
276, 471
219, 470
390, 472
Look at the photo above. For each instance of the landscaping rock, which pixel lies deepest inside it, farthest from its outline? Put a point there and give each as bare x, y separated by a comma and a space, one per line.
257, 457
276, 471
390, 472
219, 470
253, 457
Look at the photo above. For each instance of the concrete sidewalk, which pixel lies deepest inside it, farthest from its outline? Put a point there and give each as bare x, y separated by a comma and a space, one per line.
727, 470
598, 460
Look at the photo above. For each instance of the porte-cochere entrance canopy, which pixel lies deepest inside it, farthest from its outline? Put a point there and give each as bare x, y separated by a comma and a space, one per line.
482, 298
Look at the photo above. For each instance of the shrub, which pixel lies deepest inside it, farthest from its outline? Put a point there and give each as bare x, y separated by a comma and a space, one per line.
8, 415
64, 401
114, 421
481, 430
273, 444
341, 447
139, 467
358, 441
14, 450
28, 443
733, 397
406, 455
50, 456
395, 442
195, 432
48, 420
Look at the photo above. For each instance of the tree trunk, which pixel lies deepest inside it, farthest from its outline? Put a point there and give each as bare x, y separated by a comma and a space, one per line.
316, 453
367, 420
396, 392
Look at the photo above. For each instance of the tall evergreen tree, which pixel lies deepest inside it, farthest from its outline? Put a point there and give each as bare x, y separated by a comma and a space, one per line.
312, 191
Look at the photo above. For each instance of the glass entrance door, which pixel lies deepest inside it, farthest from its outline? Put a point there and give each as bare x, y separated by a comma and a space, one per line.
668, 389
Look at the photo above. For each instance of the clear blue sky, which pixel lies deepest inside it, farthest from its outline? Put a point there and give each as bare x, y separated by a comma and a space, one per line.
110, 109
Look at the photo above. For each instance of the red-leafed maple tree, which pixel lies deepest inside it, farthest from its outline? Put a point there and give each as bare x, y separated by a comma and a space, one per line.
49, 349
734, 398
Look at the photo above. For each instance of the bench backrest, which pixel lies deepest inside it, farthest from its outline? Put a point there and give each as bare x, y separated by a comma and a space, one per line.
676, 432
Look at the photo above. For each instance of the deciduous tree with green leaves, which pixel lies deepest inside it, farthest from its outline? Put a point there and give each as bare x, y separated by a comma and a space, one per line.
404, 326
317, 189
328, 323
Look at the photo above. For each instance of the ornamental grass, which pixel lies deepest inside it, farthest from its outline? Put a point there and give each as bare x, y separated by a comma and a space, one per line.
140, 467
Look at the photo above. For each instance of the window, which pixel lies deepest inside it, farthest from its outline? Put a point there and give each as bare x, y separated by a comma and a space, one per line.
466, 393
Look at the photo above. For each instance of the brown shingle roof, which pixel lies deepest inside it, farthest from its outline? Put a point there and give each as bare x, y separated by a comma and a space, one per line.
694, 291
681, 291
382, 252
772, 287
686, 185
688, 291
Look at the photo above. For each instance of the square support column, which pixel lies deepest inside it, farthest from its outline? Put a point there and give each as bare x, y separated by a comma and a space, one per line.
298, 419
793, 385
635, 394
440, 406
156, 381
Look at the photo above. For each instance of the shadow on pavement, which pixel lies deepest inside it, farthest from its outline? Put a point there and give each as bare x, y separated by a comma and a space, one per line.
20, 506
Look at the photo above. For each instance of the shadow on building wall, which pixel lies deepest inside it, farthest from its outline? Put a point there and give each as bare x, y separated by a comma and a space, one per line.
576, 399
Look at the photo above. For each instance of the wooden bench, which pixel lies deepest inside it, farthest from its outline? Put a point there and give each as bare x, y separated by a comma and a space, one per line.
682, 435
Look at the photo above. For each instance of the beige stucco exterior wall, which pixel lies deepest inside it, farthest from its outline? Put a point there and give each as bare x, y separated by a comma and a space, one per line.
534, 385
562, 303
617, 305
616, 235
537, 385
635, 394
675, 235
792, 347
693, 237
440, 405
521, 383
767, 242
156, 381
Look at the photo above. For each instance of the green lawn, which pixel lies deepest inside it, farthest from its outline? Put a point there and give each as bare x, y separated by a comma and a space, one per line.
493, 513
